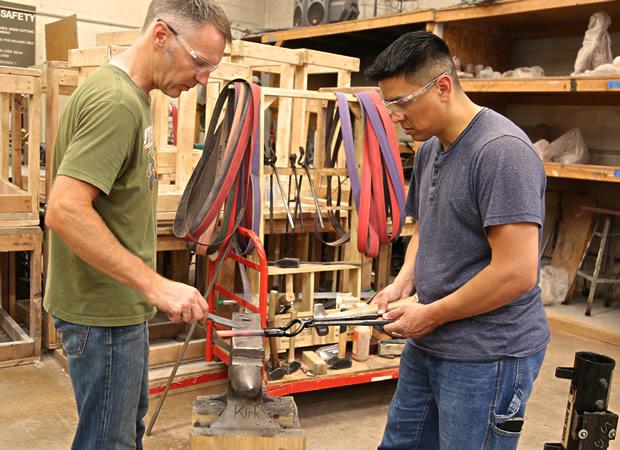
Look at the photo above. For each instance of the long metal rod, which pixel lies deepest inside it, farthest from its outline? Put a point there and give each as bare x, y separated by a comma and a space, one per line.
190, 333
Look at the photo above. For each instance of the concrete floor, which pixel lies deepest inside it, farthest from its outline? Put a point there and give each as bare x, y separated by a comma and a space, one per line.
37, 407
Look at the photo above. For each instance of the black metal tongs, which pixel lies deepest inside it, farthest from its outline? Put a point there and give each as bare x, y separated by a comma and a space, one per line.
296, 326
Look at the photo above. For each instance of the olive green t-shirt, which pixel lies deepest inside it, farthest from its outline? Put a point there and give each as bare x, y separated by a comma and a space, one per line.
105, 138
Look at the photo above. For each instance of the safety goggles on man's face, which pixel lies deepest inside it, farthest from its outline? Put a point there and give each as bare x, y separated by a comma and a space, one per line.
200, 62
398, 105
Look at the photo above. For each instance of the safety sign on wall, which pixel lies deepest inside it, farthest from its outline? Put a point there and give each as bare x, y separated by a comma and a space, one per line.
17, 34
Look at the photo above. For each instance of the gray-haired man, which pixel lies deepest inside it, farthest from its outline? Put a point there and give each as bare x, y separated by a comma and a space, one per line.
102, 286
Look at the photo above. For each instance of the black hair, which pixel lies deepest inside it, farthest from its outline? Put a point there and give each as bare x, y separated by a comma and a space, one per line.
418, 55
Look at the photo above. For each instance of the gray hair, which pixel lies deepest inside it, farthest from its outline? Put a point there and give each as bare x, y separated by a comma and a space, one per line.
194, 12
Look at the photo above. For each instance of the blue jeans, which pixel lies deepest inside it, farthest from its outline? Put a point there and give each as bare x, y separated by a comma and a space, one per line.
109, 373
451, 405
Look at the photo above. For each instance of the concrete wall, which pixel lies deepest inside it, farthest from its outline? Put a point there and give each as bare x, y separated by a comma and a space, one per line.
555, 55
280, 12
245, 15
95, 16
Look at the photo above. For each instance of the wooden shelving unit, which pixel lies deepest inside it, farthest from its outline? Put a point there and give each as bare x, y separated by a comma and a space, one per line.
274, 96
542, 85
581, 90
583, 172
484, 33
345, 38
508, 19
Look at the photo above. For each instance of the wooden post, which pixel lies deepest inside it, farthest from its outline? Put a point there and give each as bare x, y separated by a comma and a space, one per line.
24, 347
186, 127
16, 137
5, 111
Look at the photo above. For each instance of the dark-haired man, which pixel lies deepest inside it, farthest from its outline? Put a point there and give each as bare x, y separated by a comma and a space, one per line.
479, 333
102, 286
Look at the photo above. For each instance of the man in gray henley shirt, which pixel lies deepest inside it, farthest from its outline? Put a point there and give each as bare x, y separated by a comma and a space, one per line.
479, 332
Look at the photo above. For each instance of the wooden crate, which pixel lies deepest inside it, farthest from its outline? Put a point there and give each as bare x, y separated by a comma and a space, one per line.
20, 126
294, 67
87, 60
23, 346
348, 265
58, 80
125, 37
177, 161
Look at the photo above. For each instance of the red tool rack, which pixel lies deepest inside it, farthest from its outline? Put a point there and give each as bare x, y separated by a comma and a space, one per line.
377, 369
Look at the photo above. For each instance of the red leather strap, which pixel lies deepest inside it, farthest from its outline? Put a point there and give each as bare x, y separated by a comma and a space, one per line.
223, 192
381, 169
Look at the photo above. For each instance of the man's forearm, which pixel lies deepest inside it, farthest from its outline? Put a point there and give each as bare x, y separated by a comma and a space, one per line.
492, 288
511, 272
88, 236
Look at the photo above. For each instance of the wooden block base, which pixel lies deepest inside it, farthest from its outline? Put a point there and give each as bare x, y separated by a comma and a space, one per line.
290, 440
206, 434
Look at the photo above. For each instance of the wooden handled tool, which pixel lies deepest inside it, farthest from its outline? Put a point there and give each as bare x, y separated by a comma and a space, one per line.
275, 372
372, 309
271, 314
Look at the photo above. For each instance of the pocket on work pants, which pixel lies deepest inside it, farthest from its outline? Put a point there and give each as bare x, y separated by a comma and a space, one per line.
74, 336
516, 378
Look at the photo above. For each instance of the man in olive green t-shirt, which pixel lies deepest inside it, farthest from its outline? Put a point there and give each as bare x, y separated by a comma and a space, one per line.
101, 284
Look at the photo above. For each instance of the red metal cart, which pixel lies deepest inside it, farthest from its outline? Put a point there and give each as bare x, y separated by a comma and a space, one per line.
380, 369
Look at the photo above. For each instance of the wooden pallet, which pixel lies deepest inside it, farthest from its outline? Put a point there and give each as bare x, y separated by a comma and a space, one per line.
294, 67
24, 345
58, 81
125, 37
175, 161
20, 124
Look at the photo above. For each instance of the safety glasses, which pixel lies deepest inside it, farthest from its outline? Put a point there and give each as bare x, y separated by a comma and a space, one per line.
200, 62
398, 105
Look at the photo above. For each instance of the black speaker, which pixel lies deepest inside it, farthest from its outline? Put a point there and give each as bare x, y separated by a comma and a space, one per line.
299, 14
340, 10
317, 12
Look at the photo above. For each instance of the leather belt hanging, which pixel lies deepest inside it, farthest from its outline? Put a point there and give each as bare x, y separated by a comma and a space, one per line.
381, 168
379, 194
226, 178
333, 141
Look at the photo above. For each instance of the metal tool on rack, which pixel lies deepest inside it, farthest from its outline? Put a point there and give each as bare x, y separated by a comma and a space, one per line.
291, 365
305, 164
274, 368
293, 159
270, 159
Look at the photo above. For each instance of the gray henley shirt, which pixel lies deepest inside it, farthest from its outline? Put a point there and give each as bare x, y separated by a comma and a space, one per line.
489, 176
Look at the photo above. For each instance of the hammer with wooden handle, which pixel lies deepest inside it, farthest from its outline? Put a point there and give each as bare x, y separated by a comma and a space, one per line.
372, 309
